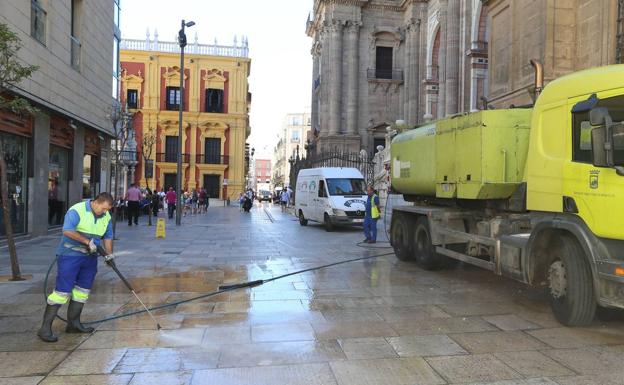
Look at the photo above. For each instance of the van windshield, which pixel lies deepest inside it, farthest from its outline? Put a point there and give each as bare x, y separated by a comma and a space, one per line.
346, 186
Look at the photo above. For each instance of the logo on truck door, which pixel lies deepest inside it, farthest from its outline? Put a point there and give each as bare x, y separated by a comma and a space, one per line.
593, 179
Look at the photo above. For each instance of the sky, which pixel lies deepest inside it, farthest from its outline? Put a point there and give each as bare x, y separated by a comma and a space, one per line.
281, 64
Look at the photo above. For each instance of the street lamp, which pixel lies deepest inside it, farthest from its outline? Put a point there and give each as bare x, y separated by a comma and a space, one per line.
182, 42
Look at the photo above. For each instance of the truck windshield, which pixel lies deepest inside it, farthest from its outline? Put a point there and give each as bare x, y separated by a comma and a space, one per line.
346, 186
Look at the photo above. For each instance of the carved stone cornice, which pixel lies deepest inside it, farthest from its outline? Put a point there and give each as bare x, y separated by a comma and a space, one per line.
353, 26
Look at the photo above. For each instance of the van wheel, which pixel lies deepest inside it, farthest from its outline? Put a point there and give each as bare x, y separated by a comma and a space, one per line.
424, 251
329, 227
399, 236
570, 285
302, 220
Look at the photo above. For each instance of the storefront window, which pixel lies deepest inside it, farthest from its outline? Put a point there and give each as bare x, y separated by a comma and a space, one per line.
57, 185
15, 157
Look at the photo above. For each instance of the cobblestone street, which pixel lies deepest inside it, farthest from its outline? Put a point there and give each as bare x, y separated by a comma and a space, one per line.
376, 321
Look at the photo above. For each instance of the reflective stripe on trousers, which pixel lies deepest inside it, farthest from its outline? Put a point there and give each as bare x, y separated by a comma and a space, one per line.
80, 294
58, 298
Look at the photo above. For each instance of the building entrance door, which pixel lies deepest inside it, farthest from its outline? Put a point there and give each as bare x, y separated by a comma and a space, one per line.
212, 184
170, 181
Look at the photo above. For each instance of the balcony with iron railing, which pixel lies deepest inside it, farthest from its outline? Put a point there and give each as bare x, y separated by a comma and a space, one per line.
385, 75
212, 159
172, 157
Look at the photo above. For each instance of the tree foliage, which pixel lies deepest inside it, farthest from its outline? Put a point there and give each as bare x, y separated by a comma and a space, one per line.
12, 71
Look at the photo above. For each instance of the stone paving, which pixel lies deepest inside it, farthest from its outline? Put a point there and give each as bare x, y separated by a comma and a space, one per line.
377, 321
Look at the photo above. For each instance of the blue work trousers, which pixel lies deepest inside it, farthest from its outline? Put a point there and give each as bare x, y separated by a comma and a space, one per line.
75, 271
370, 228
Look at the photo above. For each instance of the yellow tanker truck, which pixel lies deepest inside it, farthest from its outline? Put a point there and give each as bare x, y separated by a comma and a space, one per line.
534, 194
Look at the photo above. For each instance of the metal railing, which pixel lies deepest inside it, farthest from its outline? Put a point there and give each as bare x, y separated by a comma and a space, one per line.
378, 73
75, 52
212, 159
172, 158
334, 158
195, 49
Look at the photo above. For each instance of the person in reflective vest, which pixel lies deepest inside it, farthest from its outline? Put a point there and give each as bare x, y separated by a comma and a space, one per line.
87, 225
371, 216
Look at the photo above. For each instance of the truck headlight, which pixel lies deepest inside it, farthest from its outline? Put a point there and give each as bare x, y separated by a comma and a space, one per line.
339, 212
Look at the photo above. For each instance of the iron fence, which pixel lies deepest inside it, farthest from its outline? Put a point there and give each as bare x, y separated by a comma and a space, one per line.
334, 158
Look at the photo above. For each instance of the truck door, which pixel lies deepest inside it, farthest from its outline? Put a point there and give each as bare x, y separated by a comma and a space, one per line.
321, 200
594, 193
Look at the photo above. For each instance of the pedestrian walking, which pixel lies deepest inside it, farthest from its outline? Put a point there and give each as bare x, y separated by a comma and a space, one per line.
133, 198
87, 225
241, 201
371, 216
171, 202
202, 200
284, 199
194, 201
155, 203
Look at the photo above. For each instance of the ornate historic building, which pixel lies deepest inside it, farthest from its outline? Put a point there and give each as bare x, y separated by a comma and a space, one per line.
216, 113
379, 61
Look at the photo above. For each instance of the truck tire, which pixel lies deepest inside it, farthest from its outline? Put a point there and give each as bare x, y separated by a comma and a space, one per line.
329, 227
399, 236
424, 251
570, 285
302, 220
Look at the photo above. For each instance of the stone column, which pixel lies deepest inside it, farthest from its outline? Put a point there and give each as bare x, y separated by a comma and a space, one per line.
353, 66
442, 59
451, 82
315, 86
326, 78
38, 188
413, 42
335, 93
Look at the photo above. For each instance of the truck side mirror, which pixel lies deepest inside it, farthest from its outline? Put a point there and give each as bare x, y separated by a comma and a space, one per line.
598, 140
598, 116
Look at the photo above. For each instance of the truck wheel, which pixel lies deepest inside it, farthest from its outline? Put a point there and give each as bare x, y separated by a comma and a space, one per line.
426, 257
302, 220
570, 285
399, 234
329, 227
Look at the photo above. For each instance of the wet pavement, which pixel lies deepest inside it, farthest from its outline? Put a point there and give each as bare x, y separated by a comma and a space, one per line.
376, 321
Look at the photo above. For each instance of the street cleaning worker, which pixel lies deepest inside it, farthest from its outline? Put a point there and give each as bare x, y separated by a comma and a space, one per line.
371, 216
87, 225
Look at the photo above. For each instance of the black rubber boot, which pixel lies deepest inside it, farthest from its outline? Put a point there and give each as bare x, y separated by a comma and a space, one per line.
73, 319
45, 332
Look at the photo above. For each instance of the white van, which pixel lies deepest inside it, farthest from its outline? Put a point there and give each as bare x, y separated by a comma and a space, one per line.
330, 195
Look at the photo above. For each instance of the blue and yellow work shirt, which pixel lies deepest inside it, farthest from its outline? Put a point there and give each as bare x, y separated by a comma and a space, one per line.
69, 247
369, 207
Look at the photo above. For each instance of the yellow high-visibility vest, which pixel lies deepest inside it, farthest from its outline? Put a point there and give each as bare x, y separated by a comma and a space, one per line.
374, 210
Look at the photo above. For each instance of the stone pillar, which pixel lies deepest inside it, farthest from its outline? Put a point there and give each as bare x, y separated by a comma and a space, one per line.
75, 184
326, 77
451, 81
38, 184
335, 93
442, 59
315, 86
413, 42
353, 78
